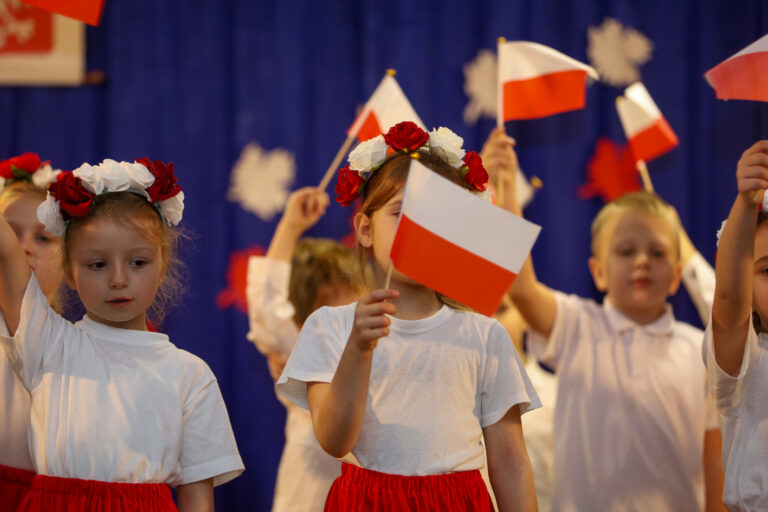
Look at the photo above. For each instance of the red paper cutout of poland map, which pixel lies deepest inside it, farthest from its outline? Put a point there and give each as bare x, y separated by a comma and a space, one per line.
25, 29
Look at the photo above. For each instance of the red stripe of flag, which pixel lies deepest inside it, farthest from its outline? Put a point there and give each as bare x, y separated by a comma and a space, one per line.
544, 95
741, 78
88, 11
653, 141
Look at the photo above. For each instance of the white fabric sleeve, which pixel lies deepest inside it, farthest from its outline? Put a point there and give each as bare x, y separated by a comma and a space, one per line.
568, 310
317, 353
726, 390
40, 339
505, 382
208, 444
270, 313
699, 280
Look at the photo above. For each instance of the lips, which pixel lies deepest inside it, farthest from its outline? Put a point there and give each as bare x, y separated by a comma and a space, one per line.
119, 301
641, 282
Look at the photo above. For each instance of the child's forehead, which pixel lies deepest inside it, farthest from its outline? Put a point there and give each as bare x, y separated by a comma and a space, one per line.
630, 224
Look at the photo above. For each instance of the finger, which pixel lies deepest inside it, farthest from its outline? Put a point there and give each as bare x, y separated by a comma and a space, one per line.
372, 322
752, 184
760, 146
377, 308
374, 334
760, 159
378, 295
752, 171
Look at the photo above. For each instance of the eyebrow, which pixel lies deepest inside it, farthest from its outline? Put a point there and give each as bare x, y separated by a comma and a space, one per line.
396, 204
761, 261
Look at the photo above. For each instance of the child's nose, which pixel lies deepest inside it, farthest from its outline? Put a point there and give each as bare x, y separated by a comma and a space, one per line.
118, 279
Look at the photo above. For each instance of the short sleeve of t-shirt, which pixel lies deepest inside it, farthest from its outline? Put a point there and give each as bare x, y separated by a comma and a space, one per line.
317, 353
208, 444
505, 382
727, 390
569, 310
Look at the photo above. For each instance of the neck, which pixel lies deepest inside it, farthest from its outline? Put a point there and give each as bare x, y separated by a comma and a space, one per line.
415, 302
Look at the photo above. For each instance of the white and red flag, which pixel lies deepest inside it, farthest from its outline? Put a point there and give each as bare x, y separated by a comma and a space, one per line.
387, 106
455, 243
648, 133
742, 76
536, 81
88, 11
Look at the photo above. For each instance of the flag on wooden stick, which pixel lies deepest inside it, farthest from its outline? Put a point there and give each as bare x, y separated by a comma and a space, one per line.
88, 11
742, 76
648, 133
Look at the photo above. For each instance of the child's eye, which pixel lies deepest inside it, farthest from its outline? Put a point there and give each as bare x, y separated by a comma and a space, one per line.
44, 239
97, 265
138, 263
658, 253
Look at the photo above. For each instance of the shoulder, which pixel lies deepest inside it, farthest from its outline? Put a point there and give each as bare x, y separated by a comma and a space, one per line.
472, 324
188, 369
330, 316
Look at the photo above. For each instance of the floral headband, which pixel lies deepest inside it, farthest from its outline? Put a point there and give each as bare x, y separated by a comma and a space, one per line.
27, 168
72, 193
407, 137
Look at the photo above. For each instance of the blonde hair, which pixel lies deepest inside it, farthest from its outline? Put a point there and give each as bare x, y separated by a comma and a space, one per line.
319, 262
135, 211
638, 202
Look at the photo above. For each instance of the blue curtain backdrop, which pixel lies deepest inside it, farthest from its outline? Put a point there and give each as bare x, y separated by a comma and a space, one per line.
194, 81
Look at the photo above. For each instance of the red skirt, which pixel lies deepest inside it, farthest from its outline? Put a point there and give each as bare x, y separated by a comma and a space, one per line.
361, 489
54, 494
14, 485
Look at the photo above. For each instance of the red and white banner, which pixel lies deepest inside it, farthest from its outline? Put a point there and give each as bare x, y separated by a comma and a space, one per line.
742, 76
387, 106
536, 81
39, 48
88, 11
455, 243
648, 133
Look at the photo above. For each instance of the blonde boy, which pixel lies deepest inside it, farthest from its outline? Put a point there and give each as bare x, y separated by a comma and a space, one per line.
634, 426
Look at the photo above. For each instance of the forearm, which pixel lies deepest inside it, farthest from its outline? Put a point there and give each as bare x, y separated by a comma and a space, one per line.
283, 242
509, 468
535, 301
713, 471
14, 275
338, 408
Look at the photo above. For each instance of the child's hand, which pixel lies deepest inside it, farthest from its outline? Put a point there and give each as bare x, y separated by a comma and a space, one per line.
371, 322
304, 208
499, 157
752, 172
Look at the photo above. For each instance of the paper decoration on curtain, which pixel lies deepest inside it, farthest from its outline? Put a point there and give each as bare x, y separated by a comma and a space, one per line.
480, 76
237, 279
39, 48
742, 76
617, 52
386, 107
648, 133
536, 81
455, 243
260, 180
611, 172
88, 11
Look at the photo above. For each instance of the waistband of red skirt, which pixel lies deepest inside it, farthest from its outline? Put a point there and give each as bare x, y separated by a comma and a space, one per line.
22, 476
362, 476
98, 488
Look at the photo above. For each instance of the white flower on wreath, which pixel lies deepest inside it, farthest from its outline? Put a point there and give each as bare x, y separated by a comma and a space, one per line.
44, 176
368, 155
172, 208
122, 176
90, 175
49, 215
447, 146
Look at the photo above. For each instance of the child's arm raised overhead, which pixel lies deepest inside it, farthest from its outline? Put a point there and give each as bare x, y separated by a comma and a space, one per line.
304, 208
14, 275
338, 408
734, 267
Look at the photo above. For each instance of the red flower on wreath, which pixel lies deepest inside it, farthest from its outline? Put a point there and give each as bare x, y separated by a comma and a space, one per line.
27, 162
406, 136
164, 186
74, 199
348, 186
476, 176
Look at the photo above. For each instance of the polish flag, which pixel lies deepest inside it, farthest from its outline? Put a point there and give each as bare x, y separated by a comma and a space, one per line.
88, 11
536, 81
648, 133
743, 76
386, 107
455, 243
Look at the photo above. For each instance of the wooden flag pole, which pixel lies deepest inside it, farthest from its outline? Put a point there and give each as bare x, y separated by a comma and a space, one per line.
388, 280
336, 161
499, 119
643, 170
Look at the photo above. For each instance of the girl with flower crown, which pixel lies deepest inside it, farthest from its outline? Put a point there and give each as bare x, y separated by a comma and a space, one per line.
118, 413
403, 385
23, 182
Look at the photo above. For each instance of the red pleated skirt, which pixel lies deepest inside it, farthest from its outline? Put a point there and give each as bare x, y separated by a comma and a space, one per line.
14, 485
54, 494
361, 489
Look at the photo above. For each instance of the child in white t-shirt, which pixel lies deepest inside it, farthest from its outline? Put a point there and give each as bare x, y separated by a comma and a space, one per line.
635, 428
404, 387
292, 280
736, 343
25, 179
117, 413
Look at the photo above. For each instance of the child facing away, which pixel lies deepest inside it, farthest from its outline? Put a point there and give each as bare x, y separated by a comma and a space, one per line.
117, 413
635, 428
24, 182
405, 388
736, 343
295, 278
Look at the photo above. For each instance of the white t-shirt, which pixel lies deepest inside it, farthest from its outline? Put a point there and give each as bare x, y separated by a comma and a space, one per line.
118, 405
743, 408
14, 418
632, 409
699, 280
435, 383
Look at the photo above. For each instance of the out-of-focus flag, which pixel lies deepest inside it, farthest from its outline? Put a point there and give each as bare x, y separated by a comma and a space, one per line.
648, 133
536, 81
742, 76
611, 172
387, 106
455, 243
88, 11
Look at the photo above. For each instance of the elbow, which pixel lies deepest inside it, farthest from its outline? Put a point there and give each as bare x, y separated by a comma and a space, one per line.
336, 450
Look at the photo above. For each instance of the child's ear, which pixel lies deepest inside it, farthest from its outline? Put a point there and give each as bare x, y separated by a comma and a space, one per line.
598, 276
363, 230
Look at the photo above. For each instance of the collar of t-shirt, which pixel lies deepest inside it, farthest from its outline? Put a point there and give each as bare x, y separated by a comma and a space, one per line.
129, 336
422, 325
620, 323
